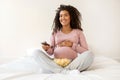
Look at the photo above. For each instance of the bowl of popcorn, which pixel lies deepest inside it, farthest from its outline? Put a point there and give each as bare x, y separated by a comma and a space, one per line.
62, 62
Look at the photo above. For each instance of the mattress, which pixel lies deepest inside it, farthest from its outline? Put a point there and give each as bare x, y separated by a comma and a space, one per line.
25, 68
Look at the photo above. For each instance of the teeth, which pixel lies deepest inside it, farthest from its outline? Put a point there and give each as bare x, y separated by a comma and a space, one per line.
63, 21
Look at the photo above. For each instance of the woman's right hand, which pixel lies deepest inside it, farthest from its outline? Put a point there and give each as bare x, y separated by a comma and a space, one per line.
45, 45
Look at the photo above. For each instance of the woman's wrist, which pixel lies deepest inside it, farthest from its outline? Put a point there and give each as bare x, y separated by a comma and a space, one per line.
74, 46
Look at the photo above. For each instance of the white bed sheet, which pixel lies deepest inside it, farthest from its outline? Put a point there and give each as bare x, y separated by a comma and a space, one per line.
103, 68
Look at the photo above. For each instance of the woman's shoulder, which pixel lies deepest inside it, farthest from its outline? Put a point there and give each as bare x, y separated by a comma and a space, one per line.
78, 31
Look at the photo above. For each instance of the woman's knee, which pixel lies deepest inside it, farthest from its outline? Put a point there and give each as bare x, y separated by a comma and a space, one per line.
88, 59
88, 54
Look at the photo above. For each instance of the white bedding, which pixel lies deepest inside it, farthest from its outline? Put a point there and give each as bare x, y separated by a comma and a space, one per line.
26, 68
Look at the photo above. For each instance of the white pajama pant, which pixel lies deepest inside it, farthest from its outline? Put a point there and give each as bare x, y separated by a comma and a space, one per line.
81, 62
38, 61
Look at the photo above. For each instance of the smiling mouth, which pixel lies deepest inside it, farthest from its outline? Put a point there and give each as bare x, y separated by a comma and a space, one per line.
63, 21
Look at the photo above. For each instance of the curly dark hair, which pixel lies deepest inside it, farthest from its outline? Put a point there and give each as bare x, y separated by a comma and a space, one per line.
75, 17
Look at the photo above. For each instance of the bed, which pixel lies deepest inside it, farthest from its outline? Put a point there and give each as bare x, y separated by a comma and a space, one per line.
25, 68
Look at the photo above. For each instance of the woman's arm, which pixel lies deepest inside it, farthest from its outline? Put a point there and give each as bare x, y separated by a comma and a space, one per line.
52, 45
82, 45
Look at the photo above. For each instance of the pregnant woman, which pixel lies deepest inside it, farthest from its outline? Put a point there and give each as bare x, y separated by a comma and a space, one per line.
67, 42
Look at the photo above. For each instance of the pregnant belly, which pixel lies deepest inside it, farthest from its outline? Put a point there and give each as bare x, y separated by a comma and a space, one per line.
65, 52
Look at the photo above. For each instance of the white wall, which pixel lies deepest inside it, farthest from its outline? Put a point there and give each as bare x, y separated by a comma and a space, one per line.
25, 24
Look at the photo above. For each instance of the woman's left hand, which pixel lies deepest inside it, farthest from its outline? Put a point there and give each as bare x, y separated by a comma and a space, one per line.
66, 43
